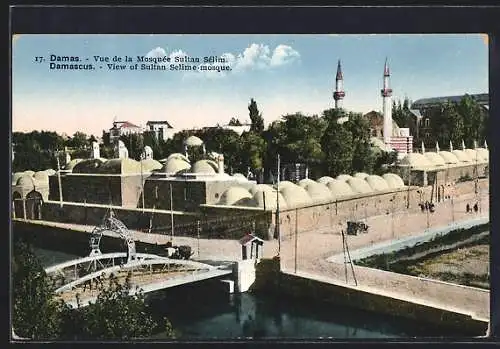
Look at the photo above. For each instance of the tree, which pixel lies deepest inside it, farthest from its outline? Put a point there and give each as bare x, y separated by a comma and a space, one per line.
257, 122
363, 159
234, 122
475, 120
36, 314
135, 145
79, 141
337, 144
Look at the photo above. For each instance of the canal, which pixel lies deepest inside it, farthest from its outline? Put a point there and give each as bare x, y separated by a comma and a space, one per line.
203, 312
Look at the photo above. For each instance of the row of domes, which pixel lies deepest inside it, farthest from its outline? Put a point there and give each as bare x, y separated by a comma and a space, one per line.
308, 191
444, 158
29, 179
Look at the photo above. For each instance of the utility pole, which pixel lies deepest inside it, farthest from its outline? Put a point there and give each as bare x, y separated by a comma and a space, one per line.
142, 157
198, 228
59, 179
171, 214
278, 209
296, 237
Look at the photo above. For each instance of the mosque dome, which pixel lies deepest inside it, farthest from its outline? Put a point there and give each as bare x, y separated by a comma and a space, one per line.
483, 154
193, 141
359, 185
295, 196
203, 166
27, 182
213, 164
270, 200
240, 177
50, 172
343, 177
434, 159
41, 177
88, 166
377, 183
462, 156
304, 182
150, 165
235, 195
339, 188
175, 165
473, 154
361, 175
178, 156
16, 176
72, 164
120, 166
393, 180
325, 180
148, 149
416, 160
261, 187
448, 157
284, 184
318, 192
29, 172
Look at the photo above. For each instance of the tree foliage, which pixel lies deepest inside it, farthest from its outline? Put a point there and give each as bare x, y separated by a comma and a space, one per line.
234, 122
337, 144
256, 119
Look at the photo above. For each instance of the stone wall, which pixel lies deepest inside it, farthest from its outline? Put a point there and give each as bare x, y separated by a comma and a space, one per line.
419, 299
96, 189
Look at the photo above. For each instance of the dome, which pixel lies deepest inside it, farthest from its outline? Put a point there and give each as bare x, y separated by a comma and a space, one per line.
16, 176
26, 181
70, 165
378, 143
361, 175
434, 159
343, 177
339, 189
193, 141
461, 156
149, 165
318, 192
148, 149
295, 196
325, 180
120, 166
234, 195
304, 182
261, 187
88, 166
393, 180
50, 172
213, 164
377, 183
41, 177
178, 156
202, 166
29, 173
174, 165
416, 160
473, 154
284, 184
239, 176
359, 185
270, 200
448, 157
483, 154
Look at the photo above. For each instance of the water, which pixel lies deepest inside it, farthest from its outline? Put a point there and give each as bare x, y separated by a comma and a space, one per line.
204, 312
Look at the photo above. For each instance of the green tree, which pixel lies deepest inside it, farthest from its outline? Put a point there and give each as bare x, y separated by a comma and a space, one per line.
455, 123
337, 144
135, 145
255, 117
36, 314
252, 148
475, 120
362, 157
234, 122
79, 141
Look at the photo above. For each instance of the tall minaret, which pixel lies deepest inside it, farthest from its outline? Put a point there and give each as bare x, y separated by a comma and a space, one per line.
339, 93
386, 93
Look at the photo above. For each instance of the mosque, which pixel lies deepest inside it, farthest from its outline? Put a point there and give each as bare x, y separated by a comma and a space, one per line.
149, 194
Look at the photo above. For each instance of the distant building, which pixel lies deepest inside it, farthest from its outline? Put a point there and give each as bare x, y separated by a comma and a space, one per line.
122, 128
238, 129
162, 129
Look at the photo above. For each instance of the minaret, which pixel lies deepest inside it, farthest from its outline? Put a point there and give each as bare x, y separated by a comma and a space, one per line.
339, 93
386, 93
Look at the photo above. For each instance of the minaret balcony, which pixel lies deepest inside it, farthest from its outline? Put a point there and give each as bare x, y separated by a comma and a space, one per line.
338, 95
386, 92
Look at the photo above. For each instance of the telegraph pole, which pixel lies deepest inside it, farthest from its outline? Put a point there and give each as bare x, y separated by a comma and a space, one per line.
171, 214
59, 179
278, 208
198, 228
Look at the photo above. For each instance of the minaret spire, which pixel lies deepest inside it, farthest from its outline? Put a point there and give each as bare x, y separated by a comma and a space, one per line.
386, 94
339, 94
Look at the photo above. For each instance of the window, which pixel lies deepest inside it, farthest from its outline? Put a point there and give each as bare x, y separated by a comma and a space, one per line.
426, 122
427, 135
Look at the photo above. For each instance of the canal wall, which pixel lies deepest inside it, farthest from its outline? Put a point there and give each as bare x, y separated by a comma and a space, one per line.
424, 300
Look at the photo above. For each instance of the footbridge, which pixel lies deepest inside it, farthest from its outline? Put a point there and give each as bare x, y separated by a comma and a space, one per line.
79, 281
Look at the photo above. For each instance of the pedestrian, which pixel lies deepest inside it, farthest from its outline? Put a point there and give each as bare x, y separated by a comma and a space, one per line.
476, 207
467, 208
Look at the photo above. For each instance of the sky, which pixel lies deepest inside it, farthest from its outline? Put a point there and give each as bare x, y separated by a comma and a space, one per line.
283, 73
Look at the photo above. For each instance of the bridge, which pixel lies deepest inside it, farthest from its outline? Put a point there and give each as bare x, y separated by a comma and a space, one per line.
78, 281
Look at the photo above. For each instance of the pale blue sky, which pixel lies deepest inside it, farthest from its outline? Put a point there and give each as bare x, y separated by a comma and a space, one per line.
284, 73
